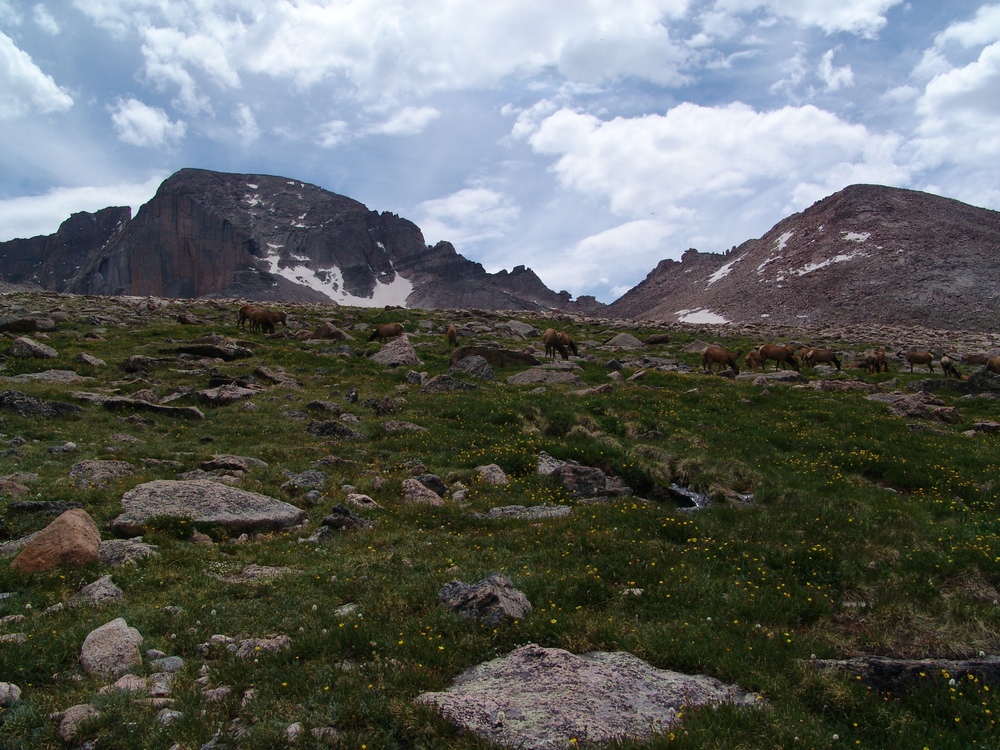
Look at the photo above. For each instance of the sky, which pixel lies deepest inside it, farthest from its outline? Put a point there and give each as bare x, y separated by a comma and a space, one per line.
585, 139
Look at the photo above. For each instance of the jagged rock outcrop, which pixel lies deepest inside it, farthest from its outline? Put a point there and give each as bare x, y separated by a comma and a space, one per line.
867, 254
266, 238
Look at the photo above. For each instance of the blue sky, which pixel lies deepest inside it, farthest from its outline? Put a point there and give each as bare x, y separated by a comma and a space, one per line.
586, 140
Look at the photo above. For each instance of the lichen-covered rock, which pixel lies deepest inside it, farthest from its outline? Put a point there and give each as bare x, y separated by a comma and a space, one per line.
488, 601
111, 649
396, 352
538, 698
25, 348
71, 540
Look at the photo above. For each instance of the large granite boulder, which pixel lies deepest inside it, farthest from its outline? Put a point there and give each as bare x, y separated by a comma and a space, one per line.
71, 540
538, 698
396, 352
204, 501
111, 649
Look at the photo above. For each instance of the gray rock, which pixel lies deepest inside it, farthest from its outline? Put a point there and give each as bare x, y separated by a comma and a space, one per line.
415, 492
434, 483
540, 699
227, 462
25, 348
207, 502
311, 479
523, 330
488, 601
475, 365
31, 406
111, 649
492, 474
341, 518
72, 719
333, 429
114, 552
101, 591
167, 664
229, 393
26, 324
445, 384
91, 360
9, 694
96, 473
396, 352
529, 513
553, 377
590, 482
625, 341
251, 647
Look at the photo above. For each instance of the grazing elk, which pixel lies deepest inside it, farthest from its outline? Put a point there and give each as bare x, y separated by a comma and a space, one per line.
553, 341
875, 361
993, 365
918, 358
716, 355
260, 320
812, 357
948, 367
567, 342
245, 315
782, 355
452, 333
754, 360
386, 331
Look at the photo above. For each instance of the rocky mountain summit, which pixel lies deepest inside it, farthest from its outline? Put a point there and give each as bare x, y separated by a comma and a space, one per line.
867, 254
215, 235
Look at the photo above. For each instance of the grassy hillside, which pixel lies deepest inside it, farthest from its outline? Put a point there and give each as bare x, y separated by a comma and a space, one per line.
866, 534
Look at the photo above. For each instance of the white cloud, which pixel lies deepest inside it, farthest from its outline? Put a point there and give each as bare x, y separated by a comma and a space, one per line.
44, 20
30, 216
24, 87
409, 121
467, 215
333, 133
864, 18
835, 78
246, 125
141, 125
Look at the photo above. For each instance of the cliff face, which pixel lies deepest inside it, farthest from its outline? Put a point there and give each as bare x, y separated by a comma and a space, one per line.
867, 254
267, 238
50, 261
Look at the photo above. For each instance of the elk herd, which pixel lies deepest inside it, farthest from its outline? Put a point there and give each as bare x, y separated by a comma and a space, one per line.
713, 358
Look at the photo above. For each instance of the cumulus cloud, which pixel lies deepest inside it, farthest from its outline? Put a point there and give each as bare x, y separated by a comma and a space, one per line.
468, 215
44, 20
835, 78
865, 18
30, 216
23, 85
141, 125
246, 125
408, 121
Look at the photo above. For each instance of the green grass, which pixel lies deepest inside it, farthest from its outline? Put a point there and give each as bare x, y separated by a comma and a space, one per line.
864, 537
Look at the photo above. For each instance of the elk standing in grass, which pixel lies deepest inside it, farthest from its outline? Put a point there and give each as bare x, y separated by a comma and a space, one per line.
716, 355
386, 331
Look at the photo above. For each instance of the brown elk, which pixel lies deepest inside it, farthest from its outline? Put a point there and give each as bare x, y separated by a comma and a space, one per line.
567, 342
948, 367
875, 361
782, 355
754, 360
260, 320
386, 331
716, 355
812, 357
452, 333
993, 365
245, 315
918, 358
553, 341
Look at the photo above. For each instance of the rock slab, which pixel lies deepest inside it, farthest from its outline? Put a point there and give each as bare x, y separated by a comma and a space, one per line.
543, 698
72, 539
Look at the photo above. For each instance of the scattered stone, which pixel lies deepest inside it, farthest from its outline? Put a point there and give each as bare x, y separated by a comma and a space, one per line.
603, 388
396, 352
207, 502
9, 694
12, 488
624, 341
325, 406
342, 518
101, 591
227, 462
127, 683
434, 483
415, 492
492, 474
96, 473
522, 330
115, 552
254, 572
311, 479
25, 348
658, 338
529, 513
549, 377
111, 649
168, 664
277, 376
333, 429
168, 715
227, 353
253, 647
328, 331
495, 356
544, 698
72, 720
476, 366
26, 325
887, 674
489, 601
71, 540
920, 405
88, 359
362, 501
446, 384
397, 426
119, 403
31, 406
137, 363
229, 393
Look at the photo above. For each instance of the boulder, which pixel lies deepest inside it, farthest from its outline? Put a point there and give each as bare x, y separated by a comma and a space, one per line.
331, 332
488, 601
415, 492
529, 513
31, 406
26, 325
25, 348
475, 365
492, 474
495, 356
396, 352
96, 473
111, 649
71, 540
522, 330
72, 719
101, 591
624, 341
9, 694
203, 501
536, 375
538, 698
446, 384
114, 552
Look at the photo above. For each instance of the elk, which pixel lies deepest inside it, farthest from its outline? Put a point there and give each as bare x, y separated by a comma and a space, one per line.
948, 367
245, 315
825, 356
386, 331
452, 333
993, 365
716, 355
754, 360
875, 361
918, 358
552, 339
781, 355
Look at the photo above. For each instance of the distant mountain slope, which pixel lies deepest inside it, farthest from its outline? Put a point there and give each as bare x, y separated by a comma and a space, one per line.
867, 254
267, 238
